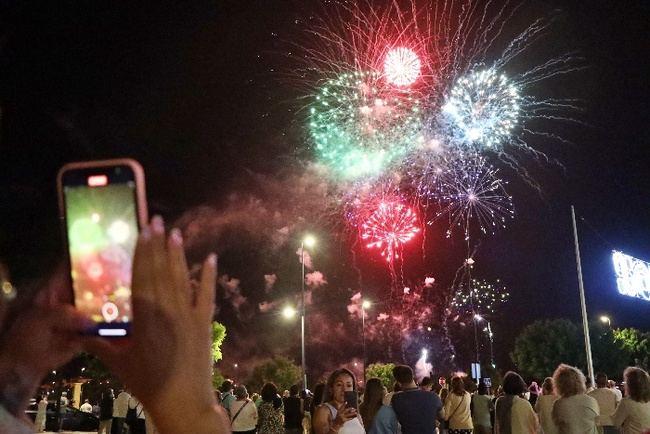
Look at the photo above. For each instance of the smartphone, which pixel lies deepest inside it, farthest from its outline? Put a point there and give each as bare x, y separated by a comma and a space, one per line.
102, 206
350, 397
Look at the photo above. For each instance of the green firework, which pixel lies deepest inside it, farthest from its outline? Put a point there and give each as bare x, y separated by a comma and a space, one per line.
360, 125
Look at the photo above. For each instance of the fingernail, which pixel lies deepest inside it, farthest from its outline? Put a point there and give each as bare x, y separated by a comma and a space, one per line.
158, 225
176, 237
212, 260
146, 233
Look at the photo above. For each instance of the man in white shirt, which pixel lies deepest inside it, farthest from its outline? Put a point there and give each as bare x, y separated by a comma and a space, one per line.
617, 391
86, 407
607, 401
120, 407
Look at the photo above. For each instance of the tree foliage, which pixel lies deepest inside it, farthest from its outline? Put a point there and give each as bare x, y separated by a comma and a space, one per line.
383, 371
637, 344
279, 370
543, 345
218, 336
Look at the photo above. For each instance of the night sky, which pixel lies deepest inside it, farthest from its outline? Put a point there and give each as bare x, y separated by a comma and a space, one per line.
195, 92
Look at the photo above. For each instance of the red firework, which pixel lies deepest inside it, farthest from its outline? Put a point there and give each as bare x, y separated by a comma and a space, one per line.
390, 226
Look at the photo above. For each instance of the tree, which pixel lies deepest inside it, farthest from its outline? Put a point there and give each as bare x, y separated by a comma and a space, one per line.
383, 371
279, 370
543, 345
609, 355
637, 344
218, 336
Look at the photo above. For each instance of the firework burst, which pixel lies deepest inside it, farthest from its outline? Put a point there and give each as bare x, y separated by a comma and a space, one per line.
470, 192
390, 226
480, 297
359, 126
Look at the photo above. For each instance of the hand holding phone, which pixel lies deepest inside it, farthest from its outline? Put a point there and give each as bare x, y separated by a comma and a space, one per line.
351, 399
102, 205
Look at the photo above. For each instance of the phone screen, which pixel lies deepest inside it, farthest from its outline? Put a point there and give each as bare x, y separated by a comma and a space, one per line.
350, 397
102, 229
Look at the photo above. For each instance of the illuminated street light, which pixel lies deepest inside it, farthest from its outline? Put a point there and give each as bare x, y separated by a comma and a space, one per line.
606, 319
365, 304
288, 312
309, 241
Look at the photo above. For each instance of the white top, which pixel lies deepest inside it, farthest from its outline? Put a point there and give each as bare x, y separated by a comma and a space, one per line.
577, 414
619, 394
634, 416
522, 417
457, 411
606, 402
121, 404
247, 419
86, 408
544, 408
481, 410
352, 426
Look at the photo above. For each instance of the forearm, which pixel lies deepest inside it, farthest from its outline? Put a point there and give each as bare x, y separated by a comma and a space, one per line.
208, 420
17, 385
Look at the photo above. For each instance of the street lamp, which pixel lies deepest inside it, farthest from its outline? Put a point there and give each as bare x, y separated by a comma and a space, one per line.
478, 317
606, 319
308, 241
288, 312
365, 304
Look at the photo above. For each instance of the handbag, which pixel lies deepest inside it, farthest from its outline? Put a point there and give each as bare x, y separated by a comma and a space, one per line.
133, 416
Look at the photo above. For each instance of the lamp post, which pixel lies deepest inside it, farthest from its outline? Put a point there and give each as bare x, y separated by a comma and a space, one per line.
606, 319
478, 318
306, 241
365, 304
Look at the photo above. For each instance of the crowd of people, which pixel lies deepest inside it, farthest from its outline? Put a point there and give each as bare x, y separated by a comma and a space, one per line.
167, 365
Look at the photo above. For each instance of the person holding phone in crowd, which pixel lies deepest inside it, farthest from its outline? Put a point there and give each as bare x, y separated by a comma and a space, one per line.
336, 416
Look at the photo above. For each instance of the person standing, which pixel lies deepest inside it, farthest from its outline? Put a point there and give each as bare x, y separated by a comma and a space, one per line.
607, 401
544, 407
416, 410
373, 397
293, 411
63, 409
574, 411
227, 397
106, 412
534, 390
481, 407
41, 414
617, 391
243, 412
271, 411
120, 407
633, 413
334, 415
513, 413
457, 408
137, 424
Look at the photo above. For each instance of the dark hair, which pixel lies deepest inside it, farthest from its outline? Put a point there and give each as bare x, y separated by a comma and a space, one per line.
327, 394
458, 386
482, 388
317, 399
513, 384
372, 400
240, 392
403, 374
637, 384
269, 393
426, 381
397, 387
601, 379
226, 386
294, 390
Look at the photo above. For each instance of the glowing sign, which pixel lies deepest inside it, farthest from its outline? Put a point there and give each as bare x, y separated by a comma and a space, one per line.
632, 276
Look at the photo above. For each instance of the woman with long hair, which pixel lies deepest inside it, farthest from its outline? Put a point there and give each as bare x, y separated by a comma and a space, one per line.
334, 416
633, 412
513, 413
544, 407
457, 408
574, 411
271, 411
372, 401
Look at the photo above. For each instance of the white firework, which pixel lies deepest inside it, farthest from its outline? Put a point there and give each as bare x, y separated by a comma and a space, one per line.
482, 109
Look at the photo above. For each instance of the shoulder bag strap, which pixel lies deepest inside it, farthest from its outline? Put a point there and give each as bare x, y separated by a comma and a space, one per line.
454, 412
239, 411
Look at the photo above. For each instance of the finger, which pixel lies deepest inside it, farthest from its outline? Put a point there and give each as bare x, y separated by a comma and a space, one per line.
205, 295
178, 268
65, 318
162, 275
141, 283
